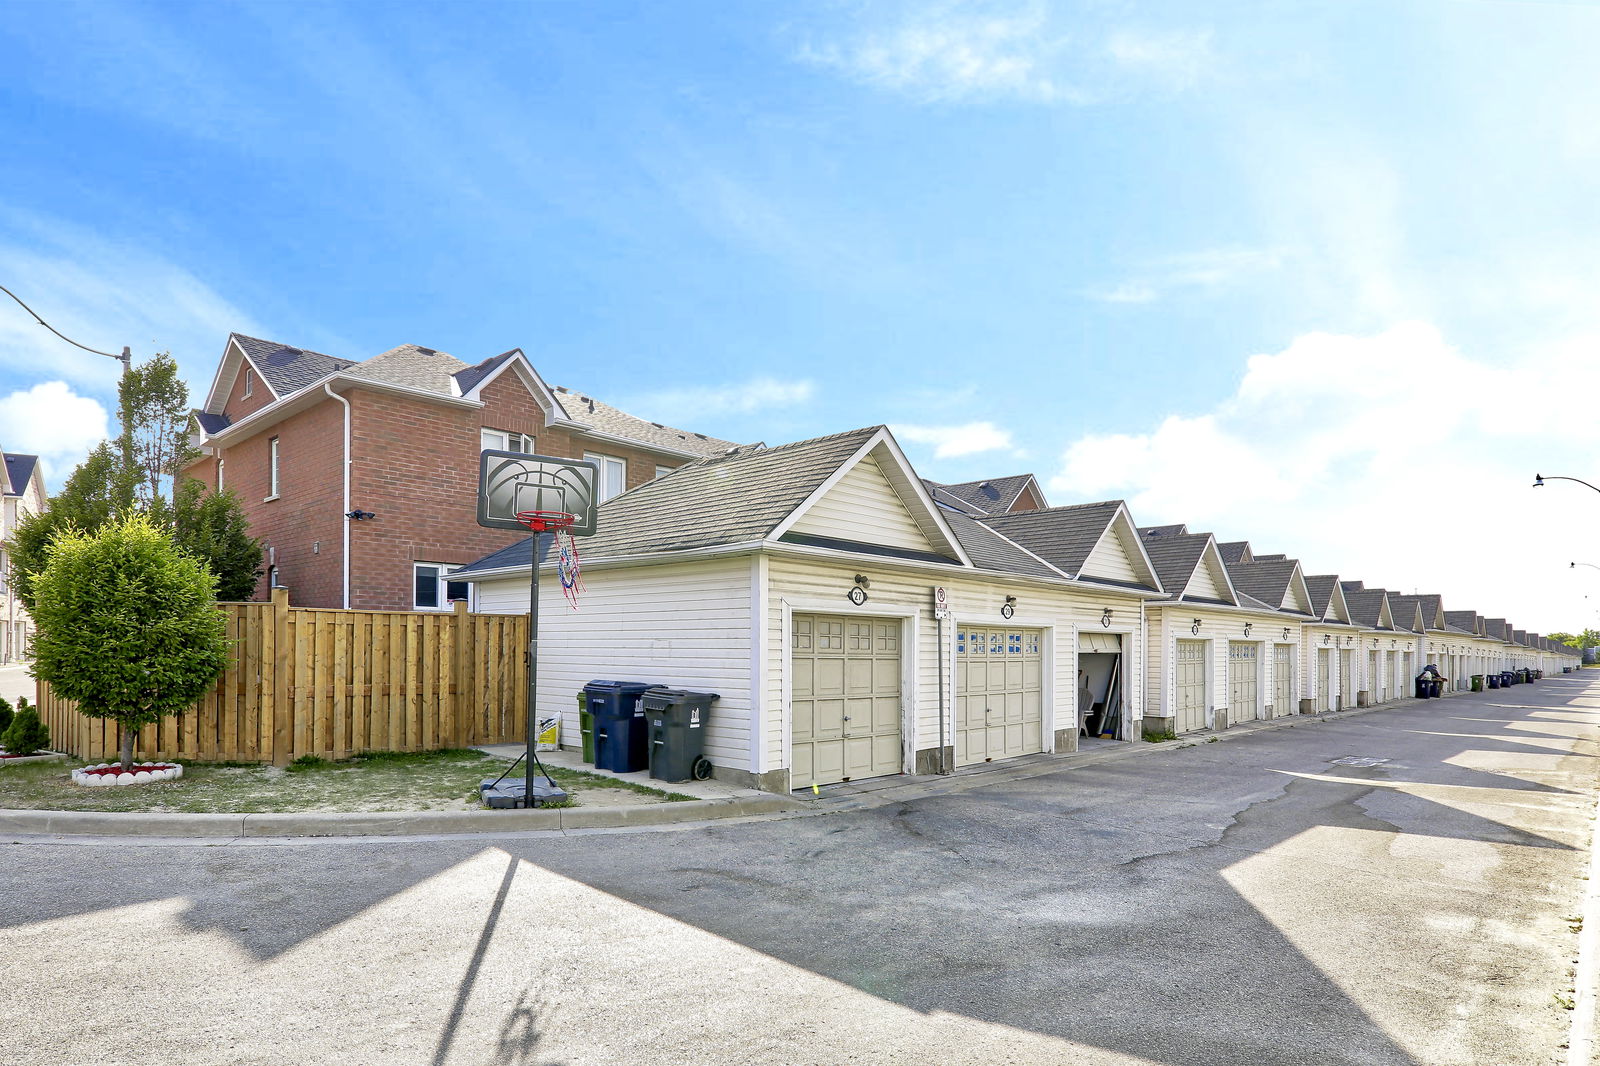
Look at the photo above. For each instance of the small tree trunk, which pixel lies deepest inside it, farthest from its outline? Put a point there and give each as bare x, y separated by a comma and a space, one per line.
127, 748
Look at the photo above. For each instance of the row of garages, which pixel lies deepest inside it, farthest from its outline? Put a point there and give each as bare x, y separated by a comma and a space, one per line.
857, 622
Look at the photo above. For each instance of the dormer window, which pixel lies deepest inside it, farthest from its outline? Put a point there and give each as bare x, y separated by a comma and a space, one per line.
249, 382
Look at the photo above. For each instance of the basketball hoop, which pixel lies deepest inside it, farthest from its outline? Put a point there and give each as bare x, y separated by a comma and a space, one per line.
546, 521
567, 565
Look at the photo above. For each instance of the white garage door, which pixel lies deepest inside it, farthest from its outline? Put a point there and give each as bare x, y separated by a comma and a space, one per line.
1324, 680
845, 695
1282, 680
1374, 678
1189, 685
999, 693
1244, 682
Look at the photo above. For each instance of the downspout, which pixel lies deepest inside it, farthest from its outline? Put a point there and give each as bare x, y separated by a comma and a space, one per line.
345, 514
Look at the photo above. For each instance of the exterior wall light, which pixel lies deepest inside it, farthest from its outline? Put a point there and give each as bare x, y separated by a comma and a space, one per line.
1247, 628
1195, 627
359, 515
1105, 618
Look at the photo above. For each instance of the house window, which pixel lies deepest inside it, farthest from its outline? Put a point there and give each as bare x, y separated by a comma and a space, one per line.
613, 475
272, 469
663, 471
434, 590
249, 382
502, 441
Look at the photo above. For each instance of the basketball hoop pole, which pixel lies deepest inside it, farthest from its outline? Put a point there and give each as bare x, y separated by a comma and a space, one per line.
533, 669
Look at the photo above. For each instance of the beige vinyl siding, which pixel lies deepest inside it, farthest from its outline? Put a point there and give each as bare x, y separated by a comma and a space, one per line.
1206, 583
862, 506
811, 585
686, 625
1111, 559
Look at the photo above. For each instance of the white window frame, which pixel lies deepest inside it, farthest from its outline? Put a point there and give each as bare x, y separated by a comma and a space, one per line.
663, 471
272, 469
249, 382
501, 440
442, 585
613, 479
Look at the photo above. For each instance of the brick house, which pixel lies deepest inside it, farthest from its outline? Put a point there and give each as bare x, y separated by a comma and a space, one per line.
284, 427
21, 494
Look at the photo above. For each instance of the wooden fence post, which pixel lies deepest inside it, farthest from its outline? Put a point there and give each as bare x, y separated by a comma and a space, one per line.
460, 681
280, 690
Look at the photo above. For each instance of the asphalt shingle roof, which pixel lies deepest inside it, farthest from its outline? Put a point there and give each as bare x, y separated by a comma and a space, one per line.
1178, 529
991, 496
411, 366
468, 379
287, 369
607, 419
1235, 551
727, 499
1267, 581
1321, 588
19, 468
1366, 606
1175, 556
211, 423
1466, 621
1062, 536
989, 550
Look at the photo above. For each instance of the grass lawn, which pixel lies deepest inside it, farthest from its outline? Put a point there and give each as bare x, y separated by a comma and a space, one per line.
374, 781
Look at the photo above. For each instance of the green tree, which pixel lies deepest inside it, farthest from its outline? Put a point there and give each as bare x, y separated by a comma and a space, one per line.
210, 526
154, 406
98, 490
126, 625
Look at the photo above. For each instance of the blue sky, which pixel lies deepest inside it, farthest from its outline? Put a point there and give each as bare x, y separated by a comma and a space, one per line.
1266, 268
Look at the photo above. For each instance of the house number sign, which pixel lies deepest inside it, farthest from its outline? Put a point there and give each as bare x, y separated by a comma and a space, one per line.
858, 595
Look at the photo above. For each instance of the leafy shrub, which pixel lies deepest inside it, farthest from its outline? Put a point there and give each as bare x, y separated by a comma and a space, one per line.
26, 734
5, 716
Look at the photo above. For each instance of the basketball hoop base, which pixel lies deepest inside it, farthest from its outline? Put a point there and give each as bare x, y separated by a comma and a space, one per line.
513, 795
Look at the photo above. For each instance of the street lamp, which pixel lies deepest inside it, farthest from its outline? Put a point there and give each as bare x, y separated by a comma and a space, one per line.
1540, 479
1591, 566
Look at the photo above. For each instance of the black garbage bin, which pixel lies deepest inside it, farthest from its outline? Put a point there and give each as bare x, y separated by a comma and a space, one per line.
677, 721
619, 726
1424, 688
1436, 689
1507, 679
1493, 679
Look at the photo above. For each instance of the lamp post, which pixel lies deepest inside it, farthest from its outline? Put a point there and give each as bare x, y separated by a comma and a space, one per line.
1574, 566
1540, 479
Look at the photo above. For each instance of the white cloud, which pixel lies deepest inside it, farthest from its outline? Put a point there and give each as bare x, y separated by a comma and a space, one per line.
952, 441
53, 422
1180, 58
687, 405
1213, 268
957, 52
1391, 458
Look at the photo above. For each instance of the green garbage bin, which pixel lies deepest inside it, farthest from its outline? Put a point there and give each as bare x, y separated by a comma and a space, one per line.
676, 719
586, 728
1477, 682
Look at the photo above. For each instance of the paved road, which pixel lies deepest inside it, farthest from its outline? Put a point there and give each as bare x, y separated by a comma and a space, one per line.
16, 681
1386, 889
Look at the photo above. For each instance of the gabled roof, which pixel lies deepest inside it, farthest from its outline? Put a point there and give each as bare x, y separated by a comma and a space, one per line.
1327, 598
1466, 622
607, 419
285, 369
473, 376
1066, 537
19, 471
1177, 529
994, 495
1176, 557
1273, 580
411, 366
1406, 613
1235, 551
1369, 608
756, 494
1495, 628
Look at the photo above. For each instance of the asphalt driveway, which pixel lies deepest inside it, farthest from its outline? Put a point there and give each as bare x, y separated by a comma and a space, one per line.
1399, 887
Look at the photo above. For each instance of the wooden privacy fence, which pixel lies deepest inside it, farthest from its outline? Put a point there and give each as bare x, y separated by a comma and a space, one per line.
314, 681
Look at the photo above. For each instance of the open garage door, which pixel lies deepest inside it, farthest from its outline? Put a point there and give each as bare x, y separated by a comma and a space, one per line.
845, 698
999, 693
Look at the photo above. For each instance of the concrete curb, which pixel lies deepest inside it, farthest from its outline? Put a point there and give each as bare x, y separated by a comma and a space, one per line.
476, 823
21, 759
398, 823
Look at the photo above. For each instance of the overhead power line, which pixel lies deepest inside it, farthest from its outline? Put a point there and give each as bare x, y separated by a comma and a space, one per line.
126, 357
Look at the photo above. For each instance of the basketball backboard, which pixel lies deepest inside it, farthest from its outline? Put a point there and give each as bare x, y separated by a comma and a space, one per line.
509, 482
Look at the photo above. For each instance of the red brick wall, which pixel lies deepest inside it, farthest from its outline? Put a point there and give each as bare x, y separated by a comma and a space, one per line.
414, 465
238, 406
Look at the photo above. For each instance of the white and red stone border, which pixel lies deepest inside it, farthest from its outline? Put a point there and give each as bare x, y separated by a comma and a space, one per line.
106, 774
